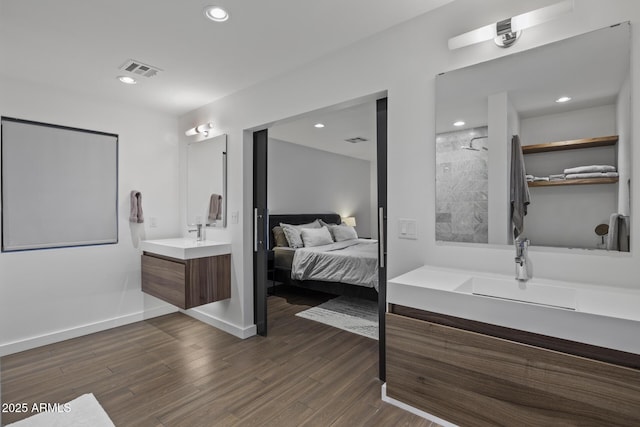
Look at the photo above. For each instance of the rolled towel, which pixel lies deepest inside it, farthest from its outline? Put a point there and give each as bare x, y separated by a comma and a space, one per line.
540, 178
557, 177
589, 169
592, 175
529, 178
136, 207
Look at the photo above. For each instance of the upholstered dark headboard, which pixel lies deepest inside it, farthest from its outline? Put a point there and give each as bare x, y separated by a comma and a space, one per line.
295, 219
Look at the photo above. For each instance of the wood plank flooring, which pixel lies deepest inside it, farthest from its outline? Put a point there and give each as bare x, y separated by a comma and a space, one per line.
176, 371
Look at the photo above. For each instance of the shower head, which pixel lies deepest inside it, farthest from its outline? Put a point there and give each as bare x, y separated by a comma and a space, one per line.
471, 147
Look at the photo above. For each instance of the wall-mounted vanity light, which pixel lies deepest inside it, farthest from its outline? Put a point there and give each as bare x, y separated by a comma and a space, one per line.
202, 129
506, 32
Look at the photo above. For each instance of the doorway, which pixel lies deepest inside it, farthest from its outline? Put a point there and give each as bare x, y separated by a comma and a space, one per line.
376, 217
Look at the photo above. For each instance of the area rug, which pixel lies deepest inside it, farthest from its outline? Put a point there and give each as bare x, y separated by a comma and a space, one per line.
85, 411
355, 315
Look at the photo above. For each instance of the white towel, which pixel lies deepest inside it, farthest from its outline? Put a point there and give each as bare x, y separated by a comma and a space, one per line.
557, 177
592, 175
591, 168
540, 178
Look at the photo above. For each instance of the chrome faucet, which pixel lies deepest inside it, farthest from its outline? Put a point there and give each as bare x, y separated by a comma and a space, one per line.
199, 230
523, 268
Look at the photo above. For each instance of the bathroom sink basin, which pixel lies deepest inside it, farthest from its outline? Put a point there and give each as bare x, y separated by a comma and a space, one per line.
185, 248
529, 291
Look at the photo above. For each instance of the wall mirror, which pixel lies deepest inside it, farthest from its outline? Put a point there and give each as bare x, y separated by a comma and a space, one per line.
478, 110
207, 182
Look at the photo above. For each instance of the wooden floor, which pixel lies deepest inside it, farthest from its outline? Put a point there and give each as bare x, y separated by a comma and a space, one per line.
176, 371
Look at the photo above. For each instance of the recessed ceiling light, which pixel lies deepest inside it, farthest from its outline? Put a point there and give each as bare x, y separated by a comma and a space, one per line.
128, 80
563, 99
216, 13
319, 125
459, 123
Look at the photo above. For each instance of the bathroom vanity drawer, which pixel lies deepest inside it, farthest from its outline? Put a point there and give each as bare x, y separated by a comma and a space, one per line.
470, 378
187, 283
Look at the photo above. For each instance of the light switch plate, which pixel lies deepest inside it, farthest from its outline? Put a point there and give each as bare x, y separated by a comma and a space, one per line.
407, 228
235, 216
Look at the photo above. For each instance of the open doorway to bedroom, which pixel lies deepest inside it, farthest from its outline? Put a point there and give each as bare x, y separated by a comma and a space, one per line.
319, 219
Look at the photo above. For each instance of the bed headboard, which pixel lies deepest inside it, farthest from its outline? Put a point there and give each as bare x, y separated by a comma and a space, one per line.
296, 219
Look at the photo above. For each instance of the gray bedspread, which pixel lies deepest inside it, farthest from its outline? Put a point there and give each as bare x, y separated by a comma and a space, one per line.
353, 261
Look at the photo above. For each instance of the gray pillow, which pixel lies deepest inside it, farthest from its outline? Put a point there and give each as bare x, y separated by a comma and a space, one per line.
279, 237
316, 236
292, 232
343, 232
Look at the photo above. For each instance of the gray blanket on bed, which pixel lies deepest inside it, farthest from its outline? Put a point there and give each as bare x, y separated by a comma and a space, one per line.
353, 261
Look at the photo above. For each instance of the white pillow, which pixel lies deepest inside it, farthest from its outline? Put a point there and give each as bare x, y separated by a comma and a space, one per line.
316, 236
292, 232
343, 232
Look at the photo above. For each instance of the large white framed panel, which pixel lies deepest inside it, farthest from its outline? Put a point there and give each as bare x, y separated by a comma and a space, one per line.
59, 186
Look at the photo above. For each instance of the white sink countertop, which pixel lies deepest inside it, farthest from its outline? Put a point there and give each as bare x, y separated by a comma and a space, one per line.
599, 315
186, 248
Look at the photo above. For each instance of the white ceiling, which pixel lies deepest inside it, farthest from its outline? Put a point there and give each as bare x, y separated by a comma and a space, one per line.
340, 124
78, 45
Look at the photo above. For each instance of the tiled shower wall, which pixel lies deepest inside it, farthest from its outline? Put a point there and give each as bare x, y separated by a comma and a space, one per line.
462, 187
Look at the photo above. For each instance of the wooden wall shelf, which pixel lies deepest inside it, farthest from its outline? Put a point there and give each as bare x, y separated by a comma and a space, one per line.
570, 145
585, 181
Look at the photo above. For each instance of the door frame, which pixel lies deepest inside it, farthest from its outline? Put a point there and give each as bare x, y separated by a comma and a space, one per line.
261, 232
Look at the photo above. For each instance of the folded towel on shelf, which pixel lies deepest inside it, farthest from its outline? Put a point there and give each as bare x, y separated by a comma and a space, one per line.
557, 177
540, 178
215, 207
529, 178
591, 168
136, 207
592, 175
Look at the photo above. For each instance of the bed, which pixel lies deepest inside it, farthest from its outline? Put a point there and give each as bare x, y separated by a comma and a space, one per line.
347, 267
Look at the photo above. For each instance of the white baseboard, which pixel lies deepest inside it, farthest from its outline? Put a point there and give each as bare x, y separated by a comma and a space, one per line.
90, 328
228, 327
413, 410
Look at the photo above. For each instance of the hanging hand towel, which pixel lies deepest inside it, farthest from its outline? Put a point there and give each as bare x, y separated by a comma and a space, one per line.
519, 187
215, 207
136, 207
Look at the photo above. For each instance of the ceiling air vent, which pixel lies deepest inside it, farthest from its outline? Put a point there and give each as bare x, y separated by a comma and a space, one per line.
140, 69
356, 139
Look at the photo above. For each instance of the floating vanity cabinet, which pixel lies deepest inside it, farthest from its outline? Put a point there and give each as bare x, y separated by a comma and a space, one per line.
576, 144
187, 283
471, 378
186, 273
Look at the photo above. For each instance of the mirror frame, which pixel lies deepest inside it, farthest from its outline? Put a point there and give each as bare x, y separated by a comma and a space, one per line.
443, 127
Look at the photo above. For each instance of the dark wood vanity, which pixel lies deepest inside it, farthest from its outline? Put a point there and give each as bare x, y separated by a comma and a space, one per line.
472, 373
187, 283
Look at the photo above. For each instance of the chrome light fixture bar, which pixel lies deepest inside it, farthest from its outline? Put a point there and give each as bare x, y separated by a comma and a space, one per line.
506, 32
202, 129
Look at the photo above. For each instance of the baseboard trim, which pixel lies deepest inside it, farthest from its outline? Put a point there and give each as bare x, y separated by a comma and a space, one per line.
90, 328
224, 325
415, 411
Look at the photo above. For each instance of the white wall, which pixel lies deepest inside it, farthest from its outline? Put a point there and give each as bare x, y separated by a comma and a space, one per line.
306, 180
402, 63
54, 294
